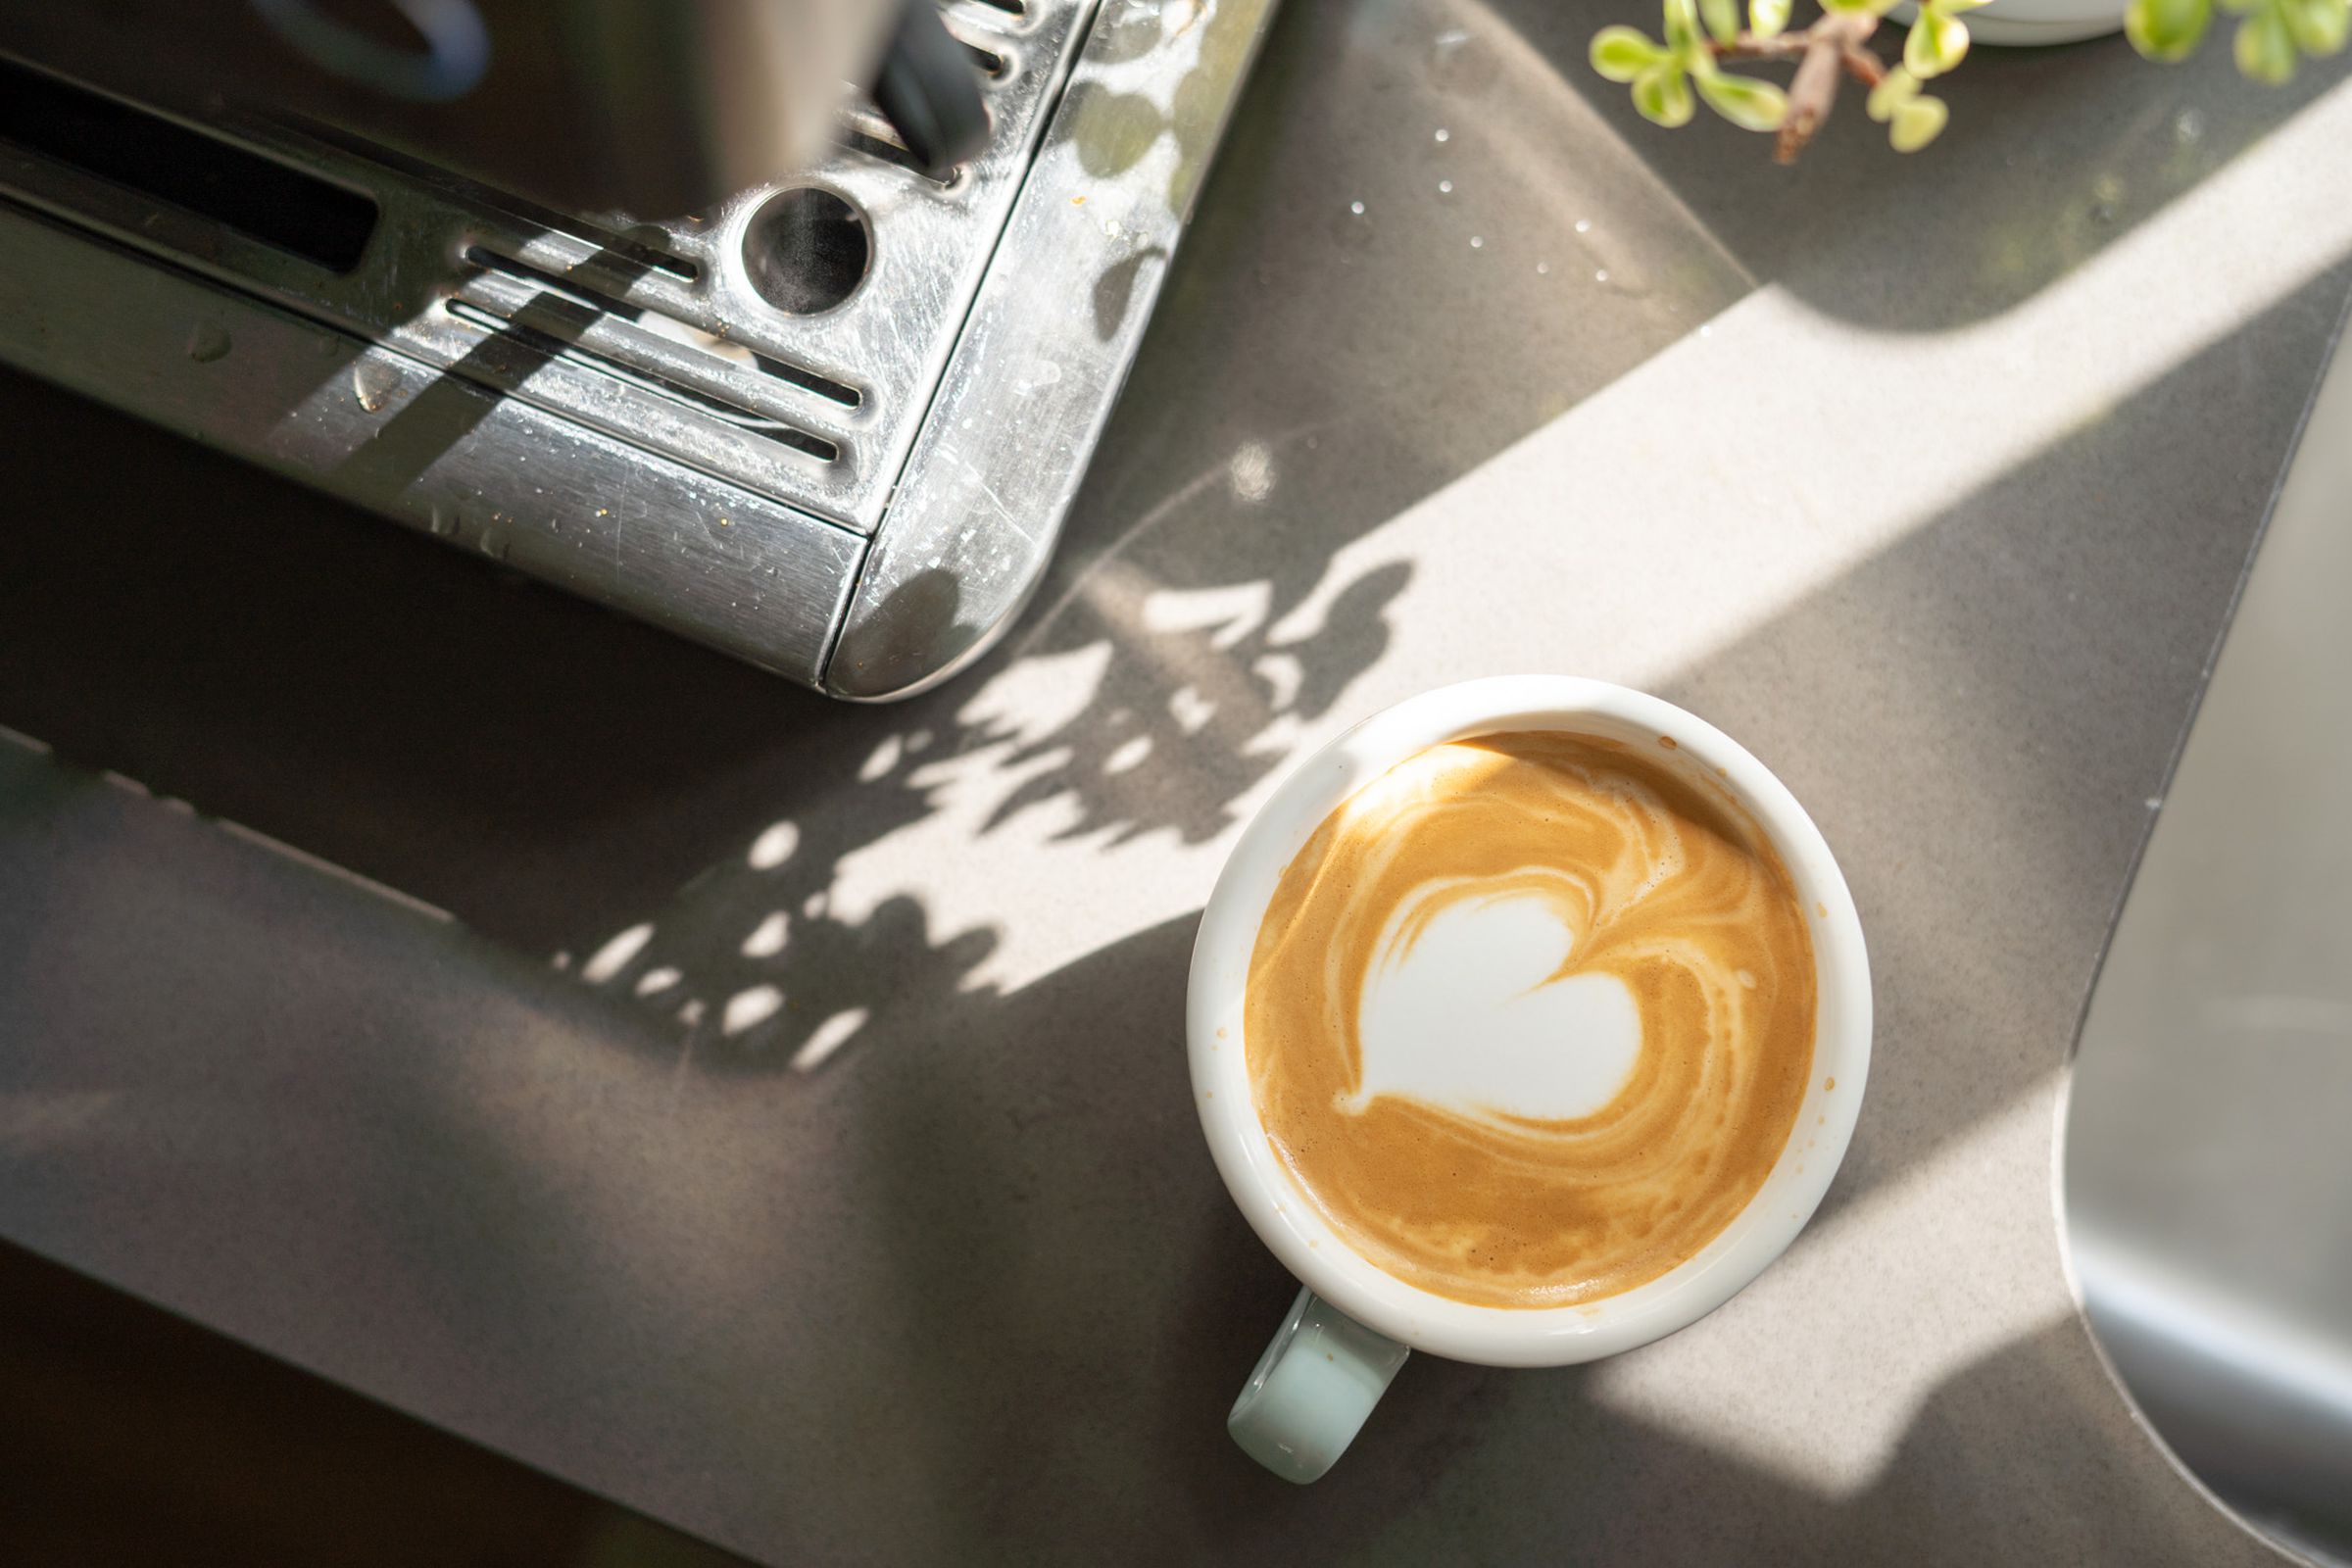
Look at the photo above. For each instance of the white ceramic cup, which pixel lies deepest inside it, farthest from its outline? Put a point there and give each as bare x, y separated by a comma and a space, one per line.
2028, 24
1354, 1323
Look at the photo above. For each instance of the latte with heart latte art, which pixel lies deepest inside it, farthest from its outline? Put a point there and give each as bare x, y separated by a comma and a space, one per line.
1529, 1017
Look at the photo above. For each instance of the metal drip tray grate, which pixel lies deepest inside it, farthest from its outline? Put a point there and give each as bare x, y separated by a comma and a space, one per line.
844, 409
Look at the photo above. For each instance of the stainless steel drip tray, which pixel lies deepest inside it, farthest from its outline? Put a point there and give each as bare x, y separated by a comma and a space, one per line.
830, 426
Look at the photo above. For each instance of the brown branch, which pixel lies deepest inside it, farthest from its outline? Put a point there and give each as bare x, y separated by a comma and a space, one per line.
1832, 43
1754, 46
1840, 41
1865, 66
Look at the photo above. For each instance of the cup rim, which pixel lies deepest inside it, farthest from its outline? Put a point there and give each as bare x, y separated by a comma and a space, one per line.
1263, 1188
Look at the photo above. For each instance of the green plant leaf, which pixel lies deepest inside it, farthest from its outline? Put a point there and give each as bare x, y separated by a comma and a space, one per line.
1682, 26
1856, 5
1768, 19
1721, 18
1621, 54
1662, 96
2266, 48
1917, 124
2319, 26
2167, 29
1894, 89
1746, 102
1938, 42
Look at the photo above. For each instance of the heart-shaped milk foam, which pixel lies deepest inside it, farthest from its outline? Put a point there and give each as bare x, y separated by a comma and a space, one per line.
1467, 1015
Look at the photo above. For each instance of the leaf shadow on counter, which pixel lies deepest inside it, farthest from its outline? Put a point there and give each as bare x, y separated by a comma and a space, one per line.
1002, 1300
1040, 1226
676, 826
1055, 1304
1019, 1347
567, 783
1010, 1273
2054, 658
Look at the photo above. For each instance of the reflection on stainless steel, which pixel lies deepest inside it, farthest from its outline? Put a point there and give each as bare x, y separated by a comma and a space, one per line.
2207, 1166
1049, 343
710, 558
664, 337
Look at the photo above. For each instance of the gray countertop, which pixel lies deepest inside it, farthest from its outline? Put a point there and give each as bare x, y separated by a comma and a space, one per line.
785, 1130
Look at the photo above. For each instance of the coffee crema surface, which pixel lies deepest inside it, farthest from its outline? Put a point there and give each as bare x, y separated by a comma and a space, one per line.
1529, 1017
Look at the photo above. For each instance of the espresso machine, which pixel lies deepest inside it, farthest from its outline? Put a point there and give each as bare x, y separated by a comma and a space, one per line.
787, 325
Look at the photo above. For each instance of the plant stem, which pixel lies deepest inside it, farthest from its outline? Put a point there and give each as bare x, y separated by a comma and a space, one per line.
1837, 42
1752, 46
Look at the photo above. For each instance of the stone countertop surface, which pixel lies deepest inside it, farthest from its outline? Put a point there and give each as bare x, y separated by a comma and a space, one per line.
772, 1114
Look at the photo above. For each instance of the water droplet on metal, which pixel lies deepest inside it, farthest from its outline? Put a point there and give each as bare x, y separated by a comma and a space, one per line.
1357, 207
2106, 199
1444, 134
1584, 225
1460, 63
1477, 242
1445, 188
493, 543
208, 342
442, 522
1543, 268
373, 382
2190, 126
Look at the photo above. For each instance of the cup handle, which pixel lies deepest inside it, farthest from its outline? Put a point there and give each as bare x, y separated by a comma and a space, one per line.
1312, 1388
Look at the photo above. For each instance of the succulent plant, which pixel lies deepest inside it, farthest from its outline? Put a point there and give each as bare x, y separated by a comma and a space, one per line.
1670, 77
